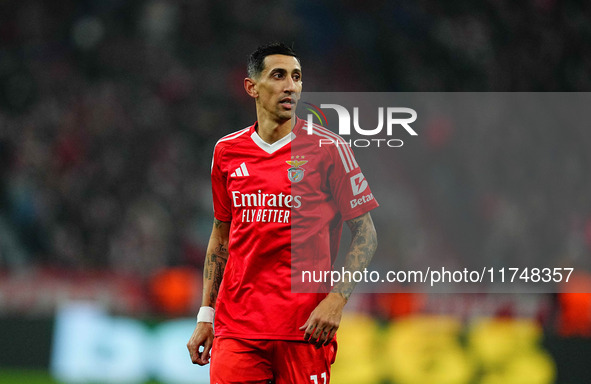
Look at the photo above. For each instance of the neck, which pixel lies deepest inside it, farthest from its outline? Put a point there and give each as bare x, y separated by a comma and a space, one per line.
271, 131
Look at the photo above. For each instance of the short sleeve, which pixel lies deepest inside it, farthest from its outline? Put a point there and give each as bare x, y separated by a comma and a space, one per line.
348, 185
222, 209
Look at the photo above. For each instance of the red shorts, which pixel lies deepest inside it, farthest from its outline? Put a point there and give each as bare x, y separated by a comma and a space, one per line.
243, 361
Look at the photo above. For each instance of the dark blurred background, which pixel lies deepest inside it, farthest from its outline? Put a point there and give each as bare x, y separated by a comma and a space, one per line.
109, 111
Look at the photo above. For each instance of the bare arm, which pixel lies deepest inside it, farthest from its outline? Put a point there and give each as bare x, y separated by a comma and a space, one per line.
215, 262
364, 242
324, 321
213, 271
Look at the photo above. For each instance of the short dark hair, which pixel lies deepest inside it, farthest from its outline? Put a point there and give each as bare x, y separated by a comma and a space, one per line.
256, 60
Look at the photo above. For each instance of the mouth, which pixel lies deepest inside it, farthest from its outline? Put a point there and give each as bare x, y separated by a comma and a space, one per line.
287, 102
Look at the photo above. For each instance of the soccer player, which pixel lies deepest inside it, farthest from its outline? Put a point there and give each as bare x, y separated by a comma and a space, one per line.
280, 199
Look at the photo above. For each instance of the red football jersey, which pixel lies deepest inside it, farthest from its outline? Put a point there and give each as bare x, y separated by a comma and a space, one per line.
286, 201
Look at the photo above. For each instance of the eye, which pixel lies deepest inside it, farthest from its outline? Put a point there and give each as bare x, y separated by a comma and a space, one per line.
297, 77
278, 75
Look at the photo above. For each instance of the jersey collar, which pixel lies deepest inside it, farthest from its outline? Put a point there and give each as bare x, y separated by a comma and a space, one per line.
271, 148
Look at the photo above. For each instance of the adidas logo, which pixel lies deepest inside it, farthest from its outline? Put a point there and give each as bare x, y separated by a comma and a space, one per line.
241, 171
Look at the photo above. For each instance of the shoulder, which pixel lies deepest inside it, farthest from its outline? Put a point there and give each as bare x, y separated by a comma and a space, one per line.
332, 145
231, 140
226, 142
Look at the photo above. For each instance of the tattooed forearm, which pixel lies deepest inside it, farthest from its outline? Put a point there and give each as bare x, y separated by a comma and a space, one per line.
215, 262
364, 242
222, 248
215, 268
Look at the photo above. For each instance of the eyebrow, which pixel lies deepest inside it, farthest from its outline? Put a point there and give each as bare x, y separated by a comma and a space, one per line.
283, 70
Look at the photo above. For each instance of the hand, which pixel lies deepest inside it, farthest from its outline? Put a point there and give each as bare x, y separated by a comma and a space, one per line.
324, 320
202, 337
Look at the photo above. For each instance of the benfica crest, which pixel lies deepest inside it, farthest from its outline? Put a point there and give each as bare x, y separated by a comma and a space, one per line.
296, 173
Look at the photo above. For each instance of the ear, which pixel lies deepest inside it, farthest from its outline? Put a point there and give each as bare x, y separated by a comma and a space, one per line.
250, 87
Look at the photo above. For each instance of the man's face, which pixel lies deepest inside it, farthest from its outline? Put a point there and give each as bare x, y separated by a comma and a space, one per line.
279, 86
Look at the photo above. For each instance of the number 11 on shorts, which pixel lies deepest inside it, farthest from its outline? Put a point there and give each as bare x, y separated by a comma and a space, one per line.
314, 378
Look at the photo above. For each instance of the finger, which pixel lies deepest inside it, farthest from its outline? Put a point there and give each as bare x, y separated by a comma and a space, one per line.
322, 338
193, 352
314, 335
305, 325
308, 332
317, 332
330, 336
200, 362
205, 355
200, 359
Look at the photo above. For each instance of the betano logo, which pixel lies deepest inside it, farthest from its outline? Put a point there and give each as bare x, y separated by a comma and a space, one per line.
358, 184
394, 116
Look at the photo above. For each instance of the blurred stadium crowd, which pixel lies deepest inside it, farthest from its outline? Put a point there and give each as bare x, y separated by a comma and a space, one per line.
109, 111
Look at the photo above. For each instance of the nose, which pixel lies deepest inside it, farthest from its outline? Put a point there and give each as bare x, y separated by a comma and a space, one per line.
290, 85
